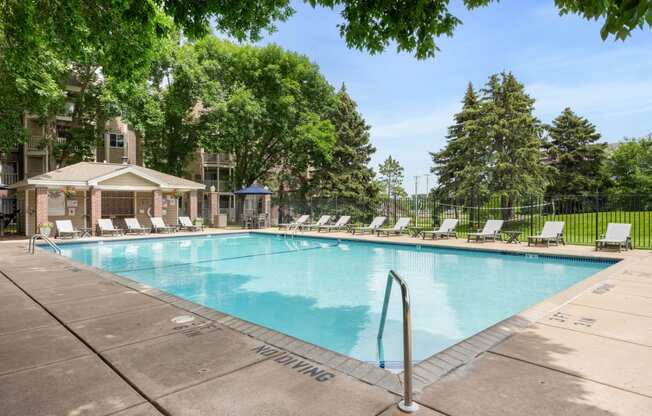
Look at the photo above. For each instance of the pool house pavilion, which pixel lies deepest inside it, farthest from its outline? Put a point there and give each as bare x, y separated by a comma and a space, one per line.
87, 191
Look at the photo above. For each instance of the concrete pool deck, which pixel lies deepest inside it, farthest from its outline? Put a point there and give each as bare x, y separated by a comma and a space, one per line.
78, 341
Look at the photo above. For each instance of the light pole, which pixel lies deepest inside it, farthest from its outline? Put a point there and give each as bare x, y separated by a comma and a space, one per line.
416, 201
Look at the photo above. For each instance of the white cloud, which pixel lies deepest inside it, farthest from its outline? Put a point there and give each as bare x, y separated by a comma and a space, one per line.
428, 125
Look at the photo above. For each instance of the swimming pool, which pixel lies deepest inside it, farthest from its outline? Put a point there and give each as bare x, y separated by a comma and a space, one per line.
330, 293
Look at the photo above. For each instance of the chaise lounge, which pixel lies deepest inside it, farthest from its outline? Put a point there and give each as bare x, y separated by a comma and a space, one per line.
133, 226
397, 229
371, 228
65, 229
106, 227
186, 224
491, 231
618, 235
158, 226
323, 220
553, 232
341, 224
446, 229
295, 224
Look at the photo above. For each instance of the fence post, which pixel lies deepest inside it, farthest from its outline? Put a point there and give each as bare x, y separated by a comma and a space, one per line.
395, 206
531, 216
597, 216
477, 210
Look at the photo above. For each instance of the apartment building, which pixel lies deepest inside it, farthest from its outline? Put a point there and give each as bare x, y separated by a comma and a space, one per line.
215, 170
120, 145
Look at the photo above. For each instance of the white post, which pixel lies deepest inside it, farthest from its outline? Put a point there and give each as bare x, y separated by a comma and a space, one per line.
416, 201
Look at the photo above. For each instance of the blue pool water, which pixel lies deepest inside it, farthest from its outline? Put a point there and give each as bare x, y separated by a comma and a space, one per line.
331, 294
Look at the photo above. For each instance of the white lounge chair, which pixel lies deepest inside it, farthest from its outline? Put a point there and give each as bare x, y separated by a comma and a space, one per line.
371, 228
65, 229
619, 235
446, 229
323, 220
341, 224
186, 224
158, 226
397, 229
491, 231
133, 226
106, 227
294, 224
553, 232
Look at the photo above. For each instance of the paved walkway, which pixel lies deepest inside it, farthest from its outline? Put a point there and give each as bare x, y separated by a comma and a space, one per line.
73, 342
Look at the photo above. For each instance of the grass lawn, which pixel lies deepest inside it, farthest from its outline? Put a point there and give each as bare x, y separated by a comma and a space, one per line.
579, 229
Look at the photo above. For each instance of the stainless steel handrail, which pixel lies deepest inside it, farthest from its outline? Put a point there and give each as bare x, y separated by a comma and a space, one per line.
407, 404
32, 243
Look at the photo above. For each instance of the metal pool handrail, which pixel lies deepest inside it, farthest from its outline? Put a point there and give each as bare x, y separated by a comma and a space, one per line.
32, 243
406, 405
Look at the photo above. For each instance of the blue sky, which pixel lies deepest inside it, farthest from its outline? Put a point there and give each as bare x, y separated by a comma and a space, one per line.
409, 103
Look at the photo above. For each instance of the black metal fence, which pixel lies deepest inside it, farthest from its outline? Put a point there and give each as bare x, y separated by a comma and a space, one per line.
586, 217
8, 216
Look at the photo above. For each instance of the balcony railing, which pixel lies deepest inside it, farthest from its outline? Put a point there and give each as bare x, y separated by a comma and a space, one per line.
8, 178
36, 144
220, 186
218, 159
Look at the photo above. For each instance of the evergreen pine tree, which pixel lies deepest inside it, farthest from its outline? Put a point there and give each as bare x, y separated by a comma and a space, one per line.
461, 166
577, 159
391, 178
494, 147
514, 133
347, 174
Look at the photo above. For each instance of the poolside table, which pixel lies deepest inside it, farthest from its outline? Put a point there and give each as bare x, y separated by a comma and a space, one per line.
416, 231
85, 232
512, 236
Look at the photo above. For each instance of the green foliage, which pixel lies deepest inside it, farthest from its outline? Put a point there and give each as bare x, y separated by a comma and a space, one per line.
169, 116
41, 41
272, 112
575, 156
630, 167
346, 174
460, 166
494, 147
391, 178
514, 139
620, 17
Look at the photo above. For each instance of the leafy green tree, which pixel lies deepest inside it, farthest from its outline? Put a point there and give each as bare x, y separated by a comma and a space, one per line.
40, 40
391, 177
578, 160
630, 168
272, 111
347, 174
461, 165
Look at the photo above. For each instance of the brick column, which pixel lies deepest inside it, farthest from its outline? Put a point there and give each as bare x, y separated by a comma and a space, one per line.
157, 203
213, 207
41, 201
95, 209
192, 201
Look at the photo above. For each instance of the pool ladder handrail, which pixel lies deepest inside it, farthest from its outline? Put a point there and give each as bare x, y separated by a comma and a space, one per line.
407, 404
31, 248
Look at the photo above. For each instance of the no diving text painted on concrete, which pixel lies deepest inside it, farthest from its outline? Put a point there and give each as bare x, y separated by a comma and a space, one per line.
290, 361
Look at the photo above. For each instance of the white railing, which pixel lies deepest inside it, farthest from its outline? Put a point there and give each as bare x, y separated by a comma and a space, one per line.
220, 186
8, 178
218, 158
36, 143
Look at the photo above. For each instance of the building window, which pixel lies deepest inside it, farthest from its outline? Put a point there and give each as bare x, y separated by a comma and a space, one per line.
116, 140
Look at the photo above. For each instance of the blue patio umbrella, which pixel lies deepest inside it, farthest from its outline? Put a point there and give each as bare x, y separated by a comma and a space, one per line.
253, 190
